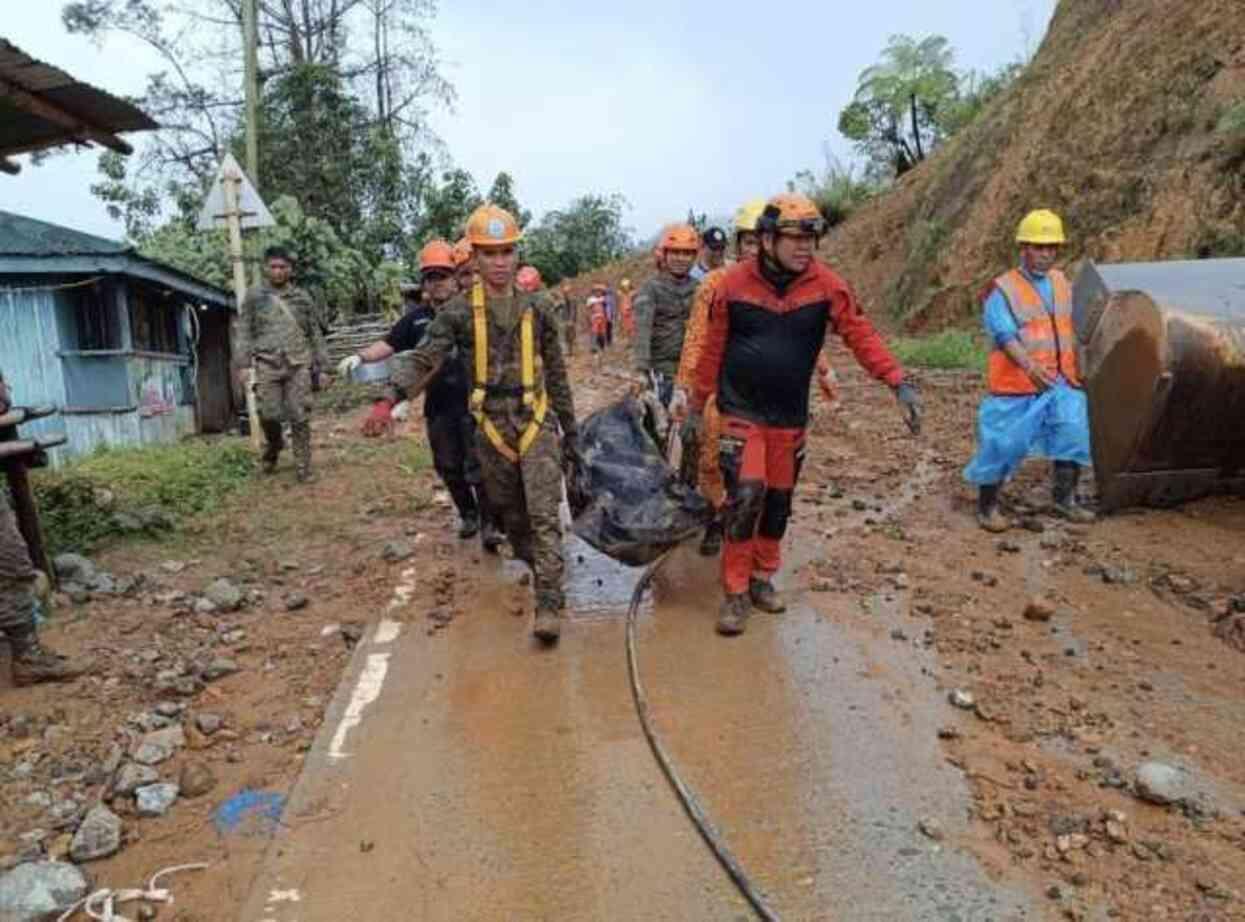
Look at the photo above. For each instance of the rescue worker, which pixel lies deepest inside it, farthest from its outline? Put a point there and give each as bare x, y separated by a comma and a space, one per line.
447, 420
528, 279
464, 267
768, 320
568, 314
626, 315
712, 253
598, 323
701, 459
1036, 407
662, 307
32, 662
610, 310
512, 343
277, 334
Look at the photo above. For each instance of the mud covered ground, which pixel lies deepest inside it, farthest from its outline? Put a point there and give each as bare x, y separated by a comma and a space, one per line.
897, 583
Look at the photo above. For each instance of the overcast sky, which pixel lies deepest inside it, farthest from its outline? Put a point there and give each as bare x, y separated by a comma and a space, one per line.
697, 104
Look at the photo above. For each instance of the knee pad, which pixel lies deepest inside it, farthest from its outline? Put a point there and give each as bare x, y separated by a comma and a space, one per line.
776, 513
743, 508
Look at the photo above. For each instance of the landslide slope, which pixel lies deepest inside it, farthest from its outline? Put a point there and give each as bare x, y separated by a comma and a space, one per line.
1118, 123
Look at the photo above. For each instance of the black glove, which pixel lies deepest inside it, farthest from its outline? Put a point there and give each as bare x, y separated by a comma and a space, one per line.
910, 403
573, 470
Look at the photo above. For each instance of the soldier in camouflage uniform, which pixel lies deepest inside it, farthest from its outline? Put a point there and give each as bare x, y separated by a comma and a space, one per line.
32, 662
521, 456
278, 333
662, 308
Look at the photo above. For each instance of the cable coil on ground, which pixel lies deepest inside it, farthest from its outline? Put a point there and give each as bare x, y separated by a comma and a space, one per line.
685, 794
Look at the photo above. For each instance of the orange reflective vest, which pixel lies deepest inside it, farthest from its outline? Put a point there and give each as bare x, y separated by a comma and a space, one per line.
1046, 332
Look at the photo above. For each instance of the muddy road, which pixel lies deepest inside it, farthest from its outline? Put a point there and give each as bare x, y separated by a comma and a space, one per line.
459, 771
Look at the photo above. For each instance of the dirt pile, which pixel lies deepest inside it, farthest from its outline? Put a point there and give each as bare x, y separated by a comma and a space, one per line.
1123, 123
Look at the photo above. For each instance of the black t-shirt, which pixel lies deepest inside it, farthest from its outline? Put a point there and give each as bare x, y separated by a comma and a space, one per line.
448, 391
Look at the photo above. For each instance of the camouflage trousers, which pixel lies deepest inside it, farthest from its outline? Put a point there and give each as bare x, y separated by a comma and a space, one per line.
283, 395
16, 576
528, 498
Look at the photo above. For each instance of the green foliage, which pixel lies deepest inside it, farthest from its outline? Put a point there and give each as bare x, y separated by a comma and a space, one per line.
181, 480
446, 207
502, 195
950, 349
913, 100
838, 189
585, 235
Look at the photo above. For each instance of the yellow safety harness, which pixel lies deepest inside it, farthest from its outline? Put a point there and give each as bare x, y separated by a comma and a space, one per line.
527, 359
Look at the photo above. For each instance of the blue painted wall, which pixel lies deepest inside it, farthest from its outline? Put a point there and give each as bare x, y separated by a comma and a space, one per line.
29, 345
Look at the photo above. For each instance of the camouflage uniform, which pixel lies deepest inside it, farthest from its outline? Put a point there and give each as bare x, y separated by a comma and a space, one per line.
278, 331
567, 315
528, 495
662, 307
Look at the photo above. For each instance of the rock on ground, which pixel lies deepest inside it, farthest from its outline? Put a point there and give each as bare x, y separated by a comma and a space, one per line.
98, 837
133, 776
40, 890
73, 568
1162, 784
395, 551
224, 595
196, 779
156, 799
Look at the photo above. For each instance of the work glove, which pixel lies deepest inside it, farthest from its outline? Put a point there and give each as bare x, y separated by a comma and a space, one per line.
678, 405
576, 477
401, 412
380, 420
910, 403
346, 366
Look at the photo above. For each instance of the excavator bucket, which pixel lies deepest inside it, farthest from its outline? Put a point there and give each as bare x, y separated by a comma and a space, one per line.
1163, 358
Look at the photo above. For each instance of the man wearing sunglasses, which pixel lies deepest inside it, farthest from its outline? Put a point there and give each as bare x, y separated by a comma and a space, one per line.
768, 321
450, 428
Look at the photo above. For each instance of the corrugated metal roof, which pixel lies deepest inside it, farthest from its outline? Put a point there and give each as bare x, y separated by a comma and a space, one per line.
93, 109
22, 236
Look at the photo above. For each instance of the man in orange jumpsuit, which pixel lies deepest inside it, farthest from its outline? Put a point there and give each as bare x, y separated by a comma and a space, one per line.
768, 320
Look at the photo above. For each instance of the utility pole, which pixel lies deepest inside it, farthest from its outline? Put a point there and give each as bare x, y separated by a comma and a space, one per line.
232, 184
250, 40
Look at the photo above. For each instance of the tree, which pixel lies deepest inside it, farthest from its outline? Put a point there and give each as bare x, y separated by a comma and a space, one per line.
502, 195
896, 116
447, 207
585, 235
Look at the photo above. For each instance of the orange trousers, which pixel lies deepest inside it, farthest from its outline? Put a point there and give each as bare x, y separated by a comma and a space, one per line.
709, 469
760, 466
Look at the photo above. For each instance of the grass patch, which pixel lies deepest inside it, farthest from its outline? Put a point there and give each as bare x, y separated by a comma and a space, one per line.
117, 492
950, 349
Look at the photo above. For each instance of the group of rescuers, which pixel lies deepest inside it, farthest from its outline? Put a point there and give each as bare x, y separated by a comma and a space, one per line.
730, 348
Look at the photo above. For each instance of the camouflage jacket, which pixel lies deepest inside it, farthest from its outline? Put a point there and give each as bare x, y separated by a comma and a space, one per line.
503, 403
662, 307
266, 329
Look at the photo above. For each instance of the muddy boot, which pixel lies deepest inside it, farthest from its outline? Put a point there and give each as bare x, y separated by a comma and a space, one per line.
765, 597
1066, 475
490, 535
465, 502
988, 515
470, 526
711, 543
34, 663
300, 435
548, 624
733, 615
274, 441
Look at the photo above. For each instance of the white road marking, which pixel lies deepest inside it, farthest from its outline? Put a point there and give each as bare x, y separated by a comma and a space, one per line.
284, 896
366, 691
387, 632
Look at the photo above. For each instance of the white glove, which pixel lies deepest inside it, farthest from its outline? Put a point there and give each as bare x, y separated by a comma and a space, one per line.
401, 412
347, 365
678, 404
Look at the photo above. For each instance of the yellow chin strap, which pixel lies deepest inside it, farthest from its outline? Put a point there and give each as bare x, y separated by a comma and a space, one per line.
527, 359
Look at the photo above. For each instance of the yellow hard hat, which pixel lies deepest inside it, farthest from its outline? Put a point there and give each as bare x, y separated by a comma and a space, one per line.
625, 283
1042, 227
747, 215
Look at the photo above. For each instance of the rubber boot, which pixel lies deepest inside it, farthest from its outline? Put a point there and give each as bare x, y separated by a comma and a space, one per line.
465, 501
548, 624
988, 515
300, 435
274, 441
34, 663
491, 532
733, 615
765, 597
711, 543
1066, 475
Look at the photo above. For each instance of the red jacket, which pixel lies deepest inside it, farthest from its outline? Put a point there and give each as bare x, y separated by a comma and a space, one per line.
762, 346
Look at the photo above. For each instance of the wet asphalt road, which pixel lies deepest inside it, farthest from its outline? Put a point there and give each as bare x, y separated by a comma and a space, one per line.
491, 779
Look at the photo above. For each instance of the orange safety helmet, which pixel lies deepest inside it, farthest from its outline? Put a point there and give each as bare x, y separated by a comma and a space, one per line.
528, 278
492, 226
437, 254
462, 253
679, 237
791, 212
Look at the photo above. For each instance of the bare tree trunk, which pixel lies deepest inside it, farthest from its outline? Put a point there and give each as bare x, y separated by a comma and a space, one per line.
916, 131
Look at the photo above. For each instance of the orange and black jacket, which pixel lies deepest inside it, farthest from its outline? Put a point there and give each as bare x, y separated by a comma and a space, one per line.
762, 345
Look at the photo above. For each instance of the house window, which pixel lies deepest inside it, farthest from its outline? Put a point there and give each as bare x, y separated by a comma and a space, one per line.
154, 320
97, 323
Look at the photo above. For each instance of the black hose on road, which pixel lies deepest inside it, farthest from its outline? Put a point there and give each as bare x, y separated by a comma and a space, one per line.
685, 794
